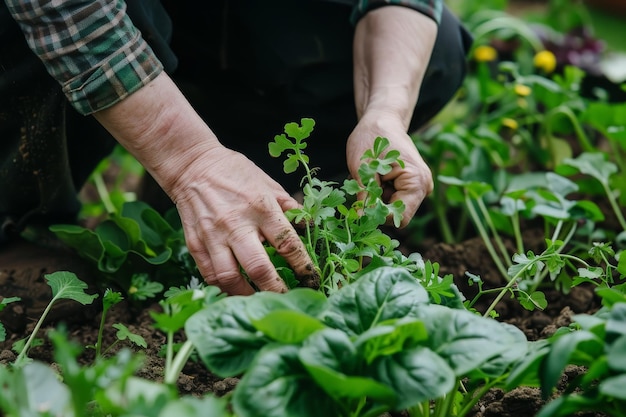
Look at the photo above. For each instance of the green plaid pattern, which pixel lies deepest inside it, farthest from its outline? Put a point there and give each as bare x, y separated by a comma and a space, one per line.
431, 8
91, 48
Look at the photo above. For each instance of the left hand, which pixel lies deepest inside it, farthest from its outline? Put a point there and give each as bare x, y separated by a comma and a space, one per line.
410, 184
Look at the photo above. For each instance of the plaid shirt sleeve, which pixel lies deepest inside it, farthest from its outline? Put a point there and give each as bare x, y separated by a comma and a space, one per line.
431, 8
90, 47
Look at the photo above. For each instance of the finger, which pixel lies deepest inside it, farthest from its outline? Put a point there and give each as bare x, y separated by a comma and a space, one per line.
252, 256
226, 274
217, 266
284, 238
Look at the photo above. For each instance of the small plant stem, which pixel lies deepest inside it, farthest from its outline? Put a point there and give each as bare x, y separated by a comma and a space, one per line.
614, 205
496, 236
177, 364
169, 353
519, 242
558, 250
485, 236
557, 230
100, 333
103, 193
444, 408
503, 291
473, 399
569, 114
32, 336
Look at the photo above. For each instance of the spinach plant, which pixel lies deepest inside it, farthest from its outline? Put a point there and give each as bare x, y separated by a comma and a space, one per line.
375, 345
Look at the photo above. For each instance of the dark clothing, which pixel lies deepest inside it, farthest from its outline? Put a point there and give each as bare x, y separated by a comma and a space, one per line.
247, 69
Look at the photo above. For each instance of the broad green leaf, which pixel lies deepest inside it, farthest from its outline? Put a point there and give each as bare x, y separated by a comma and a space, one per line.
463, 339
331, 359
278, 385
390, 337
288, 326
593, 164
617, 320
66, 285
383, 294
561, 353
415, 375
303, 300
85, 241
45, 392
224, 336
613, 387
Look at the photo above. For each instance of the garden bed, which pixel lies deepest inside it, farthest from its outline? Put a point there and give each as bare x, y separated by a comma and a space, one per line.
504, 297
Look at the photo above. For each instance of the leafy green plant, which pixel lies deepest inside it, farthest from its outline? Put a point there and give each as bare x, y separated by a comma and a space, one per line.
109, 299
342, 233
137, 248
374, 345
65, 285
107, 387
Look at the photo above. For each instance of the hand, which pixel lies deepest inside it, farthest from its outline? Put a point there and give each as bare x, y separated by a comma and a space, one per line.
228, 207
410, 184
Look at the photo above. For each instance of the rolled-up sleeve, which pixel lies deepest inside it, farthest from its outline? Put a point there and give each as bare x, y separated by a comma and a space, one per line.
431, 8
90, 47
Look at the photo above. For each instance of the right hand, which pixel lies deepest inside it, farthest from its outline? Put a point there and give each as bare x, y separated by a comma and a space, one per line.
229, 207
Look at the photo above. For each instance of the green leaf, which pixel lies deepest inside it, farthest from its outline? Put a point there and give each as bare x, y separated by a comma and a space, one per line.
280, 144
331, 359
391, 337
278, 385
415, 375
613, 387
383, 294
224, 336
465, 340
67, 286
288, 326
124, 333
110, 298
593, 164
301, 131
561, 352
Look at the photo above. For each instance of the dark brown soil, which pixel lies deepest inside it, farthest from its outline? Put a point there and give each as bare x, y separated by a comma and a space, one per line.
22, 268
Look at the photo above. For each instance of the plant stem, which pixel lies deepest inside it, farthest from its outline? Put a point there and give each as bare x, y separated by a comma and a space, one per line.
614, 205
22, 354
100, 333
503, 251
103, 193
176, 365
485, 236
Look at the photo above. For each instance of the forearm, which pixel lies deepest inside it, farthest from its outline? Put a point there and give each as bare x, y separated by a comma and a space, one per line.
160, 128
392, 47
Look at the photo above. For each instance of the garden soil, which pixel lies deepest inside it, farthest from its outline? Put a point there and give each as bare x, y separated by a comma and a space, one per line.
22, 269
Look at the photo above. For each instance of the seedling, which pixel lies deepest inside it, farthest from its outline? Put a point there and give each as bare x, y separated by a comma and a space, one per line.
65, 285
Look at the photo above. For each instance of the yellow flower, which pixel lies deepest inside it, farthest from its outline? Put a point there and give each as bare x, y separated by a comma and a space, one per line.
485, 53
545, 60
510, 123
522, 90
